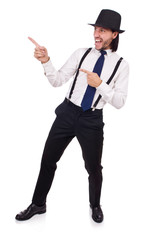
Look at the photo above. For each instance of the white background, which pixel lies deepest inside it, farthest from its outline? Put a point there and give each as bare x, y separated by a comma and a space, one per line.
130, 196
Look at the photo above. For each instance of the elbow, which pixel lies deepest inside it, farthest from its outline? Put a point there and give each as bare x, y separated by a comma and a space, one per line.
55, 79
54, 84
118, 104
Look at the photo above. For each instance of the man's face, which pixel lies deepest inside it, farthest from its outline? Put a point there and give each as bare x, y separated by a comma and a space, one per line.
103, 37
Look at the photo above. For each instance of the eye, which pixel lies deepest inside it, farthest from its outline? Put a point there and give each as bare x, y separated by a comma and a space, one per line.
102, 30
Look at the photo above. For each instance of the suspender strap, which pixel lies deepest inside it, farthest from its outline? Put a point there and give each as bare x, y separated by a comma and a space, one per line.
109, 80
75, 79
115, 70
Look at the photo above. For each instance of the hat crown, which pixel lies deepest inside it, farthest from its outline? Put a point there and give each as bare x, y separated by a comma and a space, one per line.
109, 19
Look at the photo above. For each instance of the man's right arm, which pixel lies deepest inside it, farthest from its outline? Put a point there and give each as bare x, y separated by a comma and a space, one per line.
56, 78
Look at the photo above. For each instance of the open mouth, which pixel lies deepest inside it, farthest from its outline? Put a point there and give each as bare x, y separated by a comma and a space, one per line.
98, 43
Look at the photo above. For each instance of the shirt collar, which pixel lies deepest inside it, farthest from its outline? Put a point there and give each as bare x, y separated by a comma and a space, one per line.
109, 51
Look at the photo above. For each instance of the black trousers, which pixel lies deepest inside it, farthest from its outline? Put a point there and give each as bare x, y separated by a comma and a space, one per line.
87, 126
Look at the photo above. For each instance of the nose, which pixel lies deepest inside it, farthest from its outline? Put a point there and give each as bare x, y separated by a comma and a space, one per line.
96, 33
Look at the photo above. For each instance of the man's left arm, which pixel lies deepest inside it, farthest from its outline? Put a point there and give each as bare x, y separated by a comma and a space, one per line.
116, 94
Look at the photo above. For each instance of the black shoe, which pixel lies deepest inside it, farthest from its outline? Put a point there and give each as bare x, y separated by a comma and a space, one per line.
97, 214
30, 212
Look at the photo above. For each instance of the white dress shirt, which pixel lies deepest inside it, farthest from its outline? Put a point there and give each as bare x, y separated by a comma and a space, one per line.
115, 93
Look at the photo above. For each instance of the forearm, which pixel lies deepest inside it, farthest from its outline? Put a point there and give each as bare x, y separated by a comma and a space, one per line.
58, 78
115, 97
55, 78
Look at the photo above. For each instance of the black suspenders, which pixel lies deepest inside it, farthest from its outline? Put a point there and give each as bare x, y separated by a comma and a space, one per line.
74, 82
109, 80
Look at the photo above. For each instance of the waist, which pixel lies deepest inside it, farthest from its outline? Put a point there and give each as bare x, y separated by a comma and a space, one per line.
80, 108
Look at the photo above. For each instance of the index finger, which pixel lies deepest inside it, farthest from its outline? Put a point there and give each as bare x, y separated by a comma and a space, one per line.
85, 71
34, 42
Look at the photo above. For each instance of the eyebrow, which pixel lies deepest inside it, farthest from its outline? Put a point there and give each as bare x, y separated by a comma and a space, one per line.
101, 28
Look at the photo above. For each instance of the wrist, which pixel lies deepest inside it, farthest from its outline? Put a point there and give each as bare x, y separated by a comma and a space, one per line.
99, 83
45, 60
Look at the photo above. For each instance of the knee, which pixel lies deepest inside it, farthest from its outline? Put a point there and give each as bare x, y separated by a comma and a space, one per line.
48, 165
94, 170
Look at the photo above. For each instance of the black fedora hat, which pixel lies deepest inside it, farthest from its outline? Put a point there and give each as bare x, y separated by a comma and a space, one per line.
109, 19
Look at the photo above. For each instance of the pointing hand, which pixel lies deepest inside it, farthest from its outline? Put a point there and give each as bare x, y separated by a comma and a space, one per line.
92, 78
40, 52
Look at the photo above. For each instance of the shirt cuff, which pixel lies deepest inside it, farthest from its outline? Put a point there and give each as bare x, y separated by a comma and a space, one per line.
48, 67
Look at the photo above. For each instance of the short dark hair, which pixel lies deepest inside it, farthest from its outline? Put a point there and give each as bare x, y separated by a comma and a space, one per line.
114, 43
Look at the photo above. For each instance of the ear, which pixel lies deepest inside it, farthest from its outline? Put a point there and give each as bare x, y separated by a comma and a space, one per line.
115, 34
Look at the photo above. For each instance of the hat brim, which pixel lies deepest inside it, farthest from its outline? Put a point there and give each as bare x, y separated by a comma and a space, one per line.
98, 25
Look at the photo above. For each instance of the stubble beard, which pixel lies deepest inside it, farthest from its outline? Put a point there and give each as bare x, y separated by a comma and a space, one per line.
107, 45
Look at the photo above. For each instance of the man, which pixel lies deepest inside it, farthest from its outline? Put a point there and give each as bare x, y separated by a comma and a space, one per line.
100, 77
